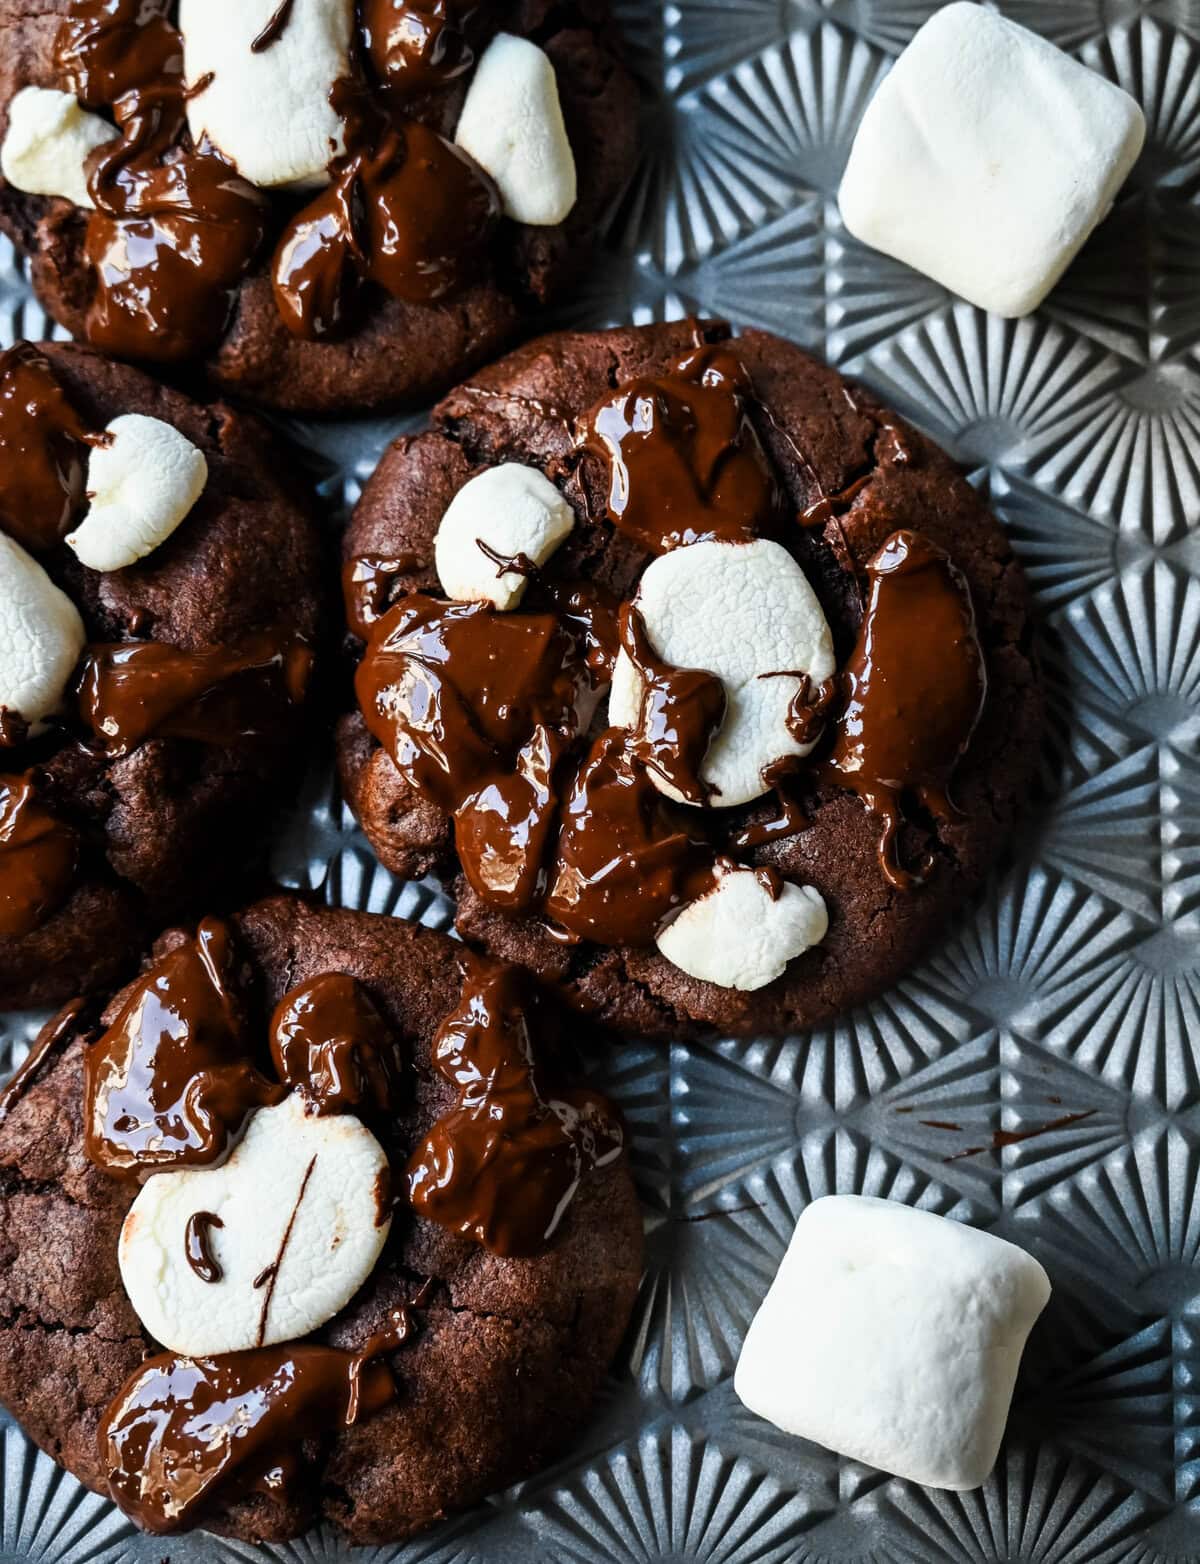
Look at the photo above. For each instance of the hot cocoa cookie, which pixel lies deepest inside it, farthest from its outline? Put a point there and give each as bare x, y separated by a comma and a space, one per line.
410, 1271
160, 607
723, 745
327, 206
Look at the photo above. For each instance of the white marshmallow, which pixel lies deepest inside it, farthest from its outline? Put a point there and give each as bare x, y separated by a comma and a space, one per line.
315, 1179
514, 510
741, 611
142, 485
49, 138
269, 113
987, 157
512, 125
739, 936
893, 1336
41, 636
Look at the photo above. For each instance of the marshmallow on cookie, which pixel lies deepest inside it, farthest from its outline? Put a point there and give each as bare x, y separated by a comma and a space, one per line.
143, 480
41, 636
48, 142
745, 612
266, 1247
504, 513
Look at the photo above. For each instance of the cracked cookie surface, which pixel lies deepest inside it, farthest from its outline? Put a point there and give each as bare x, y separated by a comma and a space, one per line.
508, 1355
862, 473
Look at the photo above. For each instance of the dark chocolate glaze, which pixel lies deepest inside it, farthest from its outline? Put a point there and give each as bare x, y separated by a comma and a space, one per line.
418, 47
682, 710
198, 1245
410, 212
592, 614
175, 229
476, 709
329, 1039
504, 1164
276, 26
367, 584
624, 864
169, 1084
914, 688
133, 691
43, 451
684, 461
181, 1429
38, 857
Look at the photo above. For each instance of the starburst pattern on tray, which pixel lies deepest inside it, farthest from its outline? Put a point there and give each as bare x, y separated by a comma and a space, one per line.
47, 1516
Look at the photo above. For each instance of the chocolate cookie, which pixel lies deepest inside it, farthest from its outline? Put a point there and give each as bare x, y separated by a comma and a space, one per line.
156, 706
409, 268
691, 474
472, 1366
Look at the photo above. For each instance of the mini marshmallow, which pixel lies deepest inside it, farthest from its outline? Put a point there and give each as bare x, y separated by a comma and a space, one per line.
746, 612
512, 125
41, 636
987, 157
740, 936
142, 484
306, 1195
48, 141
513, 510
893, 1336
269, 113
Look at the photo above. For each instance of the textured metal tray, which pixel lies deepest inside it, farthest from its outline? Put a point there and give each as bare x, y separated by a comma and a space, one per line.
1039, 1075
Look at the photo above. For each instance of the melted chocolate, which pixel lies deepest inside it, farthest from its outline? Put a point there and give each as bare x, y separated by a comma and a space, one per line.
681, 711
59, 1027
133, 691
180, 1429
592, 613
418, 47
504, 1165
38, 857
43, 451
329, 1039
175, 229
914, 687
198, 1245
276, 26
684, 460
789, 818
623, 866
414, 214
169, 1083
367, 584
476, 708
267, 1278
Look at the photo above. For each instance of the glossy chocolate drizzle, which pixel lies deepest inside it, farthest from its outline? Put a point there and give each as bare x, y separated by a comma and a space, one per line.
684, 461
63, 1024
504, 1165
367, 585
407, 210
175, 229
329, 1039
38, 857
170, 1083
180, 1430
198, 1245
43, 451
417, 47
681, 711
136, 690
914, 689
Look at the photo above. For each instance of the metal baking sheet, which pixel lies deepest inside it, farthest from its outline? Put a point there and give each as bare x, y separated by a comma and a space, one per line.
1057, 1029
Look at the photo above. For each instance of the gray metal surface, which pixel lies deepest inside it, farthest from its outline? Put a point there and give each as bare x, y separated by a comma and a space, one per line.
1070, 997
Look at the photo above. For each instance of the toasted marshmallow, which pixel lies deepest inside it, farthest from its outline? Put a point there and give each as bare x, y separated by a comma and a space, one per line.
142, 484
48, 140
512, 125
893, 1336
302, 1212
269, 112
41, 636
746, 612
987, 157
508, 510
739, 935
